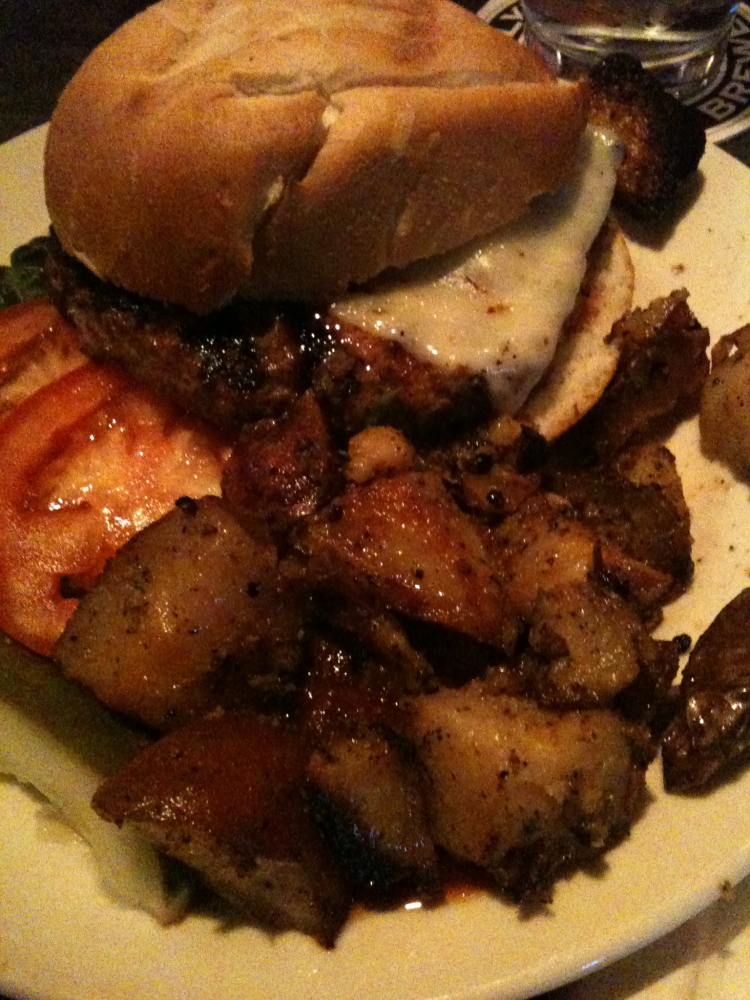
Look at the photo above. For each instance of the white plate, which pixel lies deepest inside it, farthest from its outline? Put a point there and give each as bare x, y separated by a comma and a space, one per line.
60, 938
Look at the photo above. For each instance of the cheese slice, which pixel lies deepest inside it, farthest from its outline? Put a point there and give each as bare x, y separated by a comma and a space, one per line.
497, 306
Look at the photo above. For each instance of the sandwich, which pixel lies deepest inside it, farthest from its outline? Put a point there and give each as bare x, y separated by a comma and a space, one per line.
287, 152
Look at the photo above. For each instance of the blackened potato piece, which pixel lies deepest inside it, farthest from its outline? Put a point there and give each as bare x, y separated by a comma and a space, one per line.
663, 138
226, 796
188, 591
523, 791
589, 648
663, 365
380, 644
647, 581
636, 520
368, 802
401, 543
282, 468
649, 700
710, 735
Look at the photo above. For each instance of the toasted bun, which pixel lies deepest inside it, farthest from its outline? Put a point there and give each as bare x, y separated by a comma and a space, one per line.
291, 147
586, 357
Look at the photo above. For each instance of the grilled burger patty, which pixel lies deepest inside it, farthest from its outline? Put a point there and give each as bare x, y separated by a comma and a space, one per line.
250, 360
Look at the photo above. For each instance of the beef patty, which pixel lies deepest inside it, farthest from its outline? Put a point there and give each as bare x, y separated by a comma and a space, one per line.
250, 360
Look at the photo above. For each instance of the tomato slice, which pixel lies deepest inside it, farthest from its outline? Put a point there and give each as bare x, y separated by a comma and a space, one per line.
36, 346
87, 461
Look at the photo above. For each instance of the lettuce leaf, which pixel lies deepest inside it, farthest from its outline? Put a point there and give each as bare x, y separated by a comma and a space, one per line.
23, 278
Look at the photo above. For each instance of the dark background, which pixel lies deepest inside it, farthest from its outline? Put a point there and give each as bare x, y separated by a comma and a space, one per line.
42, 43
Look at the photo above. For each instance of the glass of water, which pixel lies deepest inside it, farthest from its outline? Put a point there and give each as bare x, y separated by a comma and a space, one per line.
682, 41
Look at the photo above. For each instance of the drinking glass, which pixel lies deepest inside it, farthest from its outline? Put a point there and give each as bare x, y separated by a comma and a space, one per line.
682, 41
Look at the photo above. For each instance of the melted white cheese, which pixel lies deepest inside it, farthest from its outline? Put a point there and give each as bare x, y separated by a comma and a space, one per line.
497, 306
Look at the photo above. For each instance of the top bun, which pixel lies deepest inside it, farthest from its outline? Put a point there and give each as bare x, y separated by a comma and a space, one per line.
290, 148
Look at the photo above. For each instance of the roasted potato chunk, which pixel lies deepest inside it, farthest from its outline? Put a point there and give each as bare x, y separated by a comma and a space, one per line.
586, 640
402, 543
226, 796
171, 606
368, 801
663, 365
541, 548
520, 790
640, 520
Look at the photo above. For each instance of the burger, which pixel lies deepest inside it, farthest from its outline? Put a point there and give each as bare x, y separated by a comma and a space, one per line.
284, 152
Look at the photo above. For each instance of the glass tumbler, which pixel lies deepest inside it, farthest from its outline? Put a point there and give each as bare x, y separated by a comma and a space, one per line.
682, 41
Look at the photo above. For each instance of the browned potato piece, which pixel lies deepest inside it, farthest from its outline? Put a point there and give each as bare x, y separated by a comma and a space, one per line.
170, 606
368, 800
403, 543
226, 796
663, 365
541, 547
520, 790
654, 464
589, 639
636, 509
725, 403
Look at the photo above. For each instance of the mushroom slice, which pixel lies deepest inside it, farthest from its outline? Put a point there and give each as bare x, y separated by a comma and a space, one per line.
711, 734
